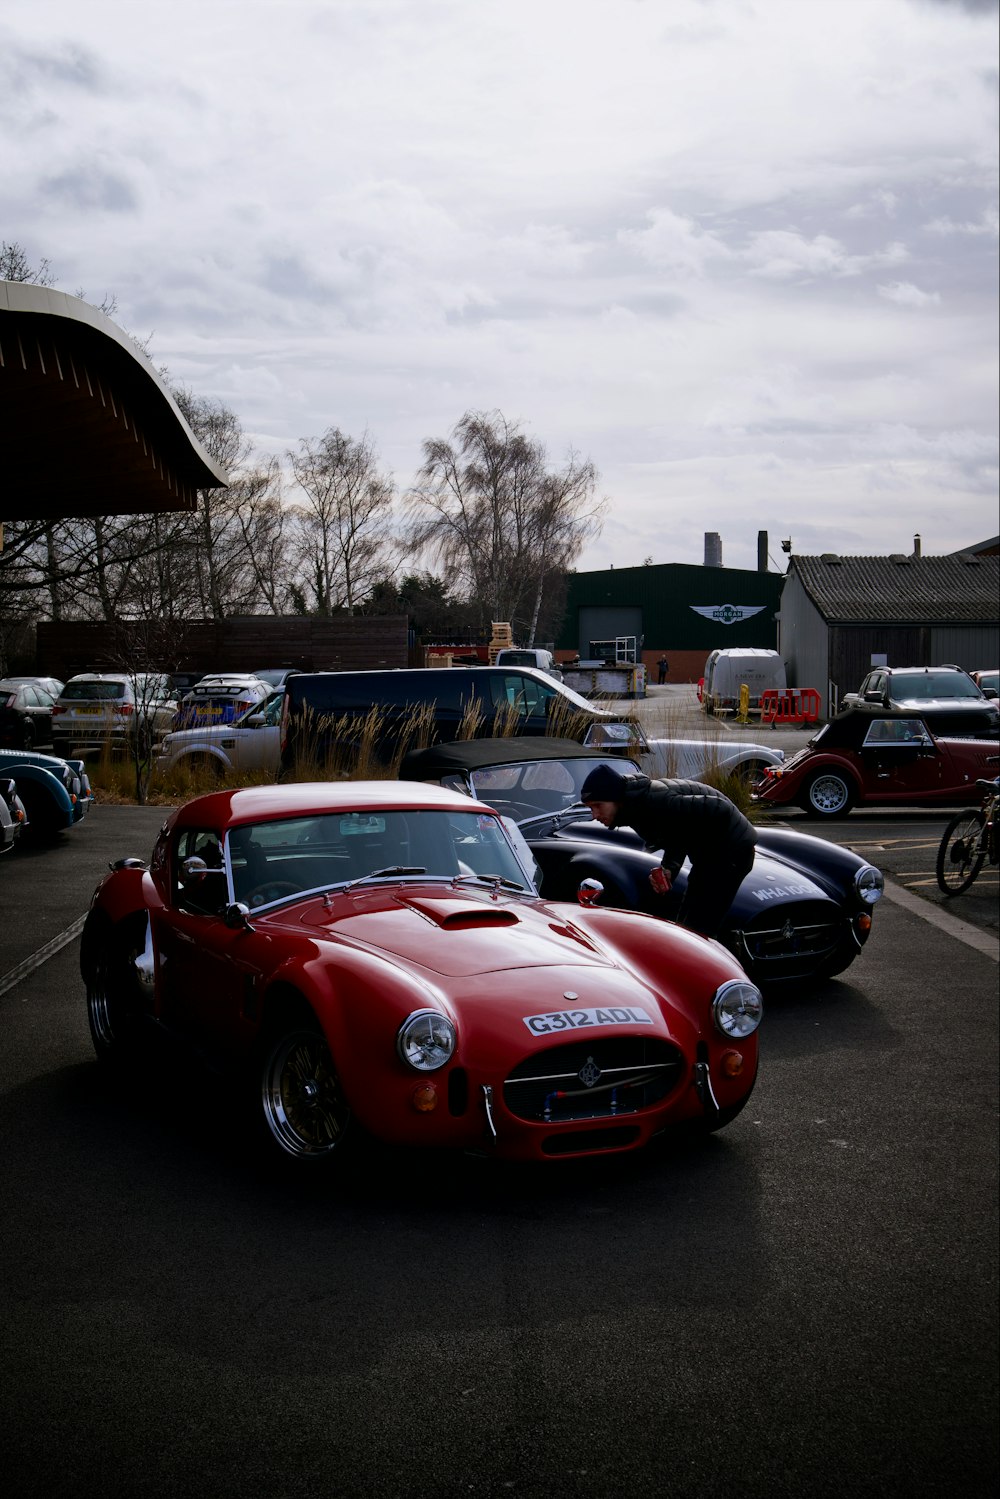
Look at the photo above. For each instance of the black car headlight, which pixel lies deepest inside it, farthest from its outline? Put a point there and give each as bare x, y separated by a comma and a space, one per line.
869, 884
426, 1040
737, 1009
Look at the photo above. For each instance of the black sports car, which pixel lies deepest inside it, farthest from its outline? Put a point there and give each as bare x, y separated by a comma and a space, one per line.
804, 911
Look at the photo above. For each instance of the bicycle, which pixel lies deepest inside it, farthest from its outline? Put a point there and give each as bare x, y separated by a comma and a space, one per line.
970, 838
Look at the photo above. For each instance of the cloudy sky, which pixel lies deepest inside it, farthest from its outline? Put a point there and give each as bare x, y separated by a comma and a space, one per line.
742, 254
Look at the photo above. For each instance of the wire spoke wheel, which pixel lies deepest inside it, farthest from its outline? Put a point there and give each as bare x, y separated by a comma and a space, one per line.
962, 851
305, 1111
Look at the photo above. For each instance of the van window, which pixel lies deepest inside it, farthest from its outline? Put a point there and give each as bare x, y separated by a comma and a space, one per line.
358, 692
523, 694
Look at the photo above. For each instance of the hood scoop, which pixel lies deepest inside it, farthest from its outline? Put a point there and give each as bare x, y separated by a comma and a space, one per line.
462, 915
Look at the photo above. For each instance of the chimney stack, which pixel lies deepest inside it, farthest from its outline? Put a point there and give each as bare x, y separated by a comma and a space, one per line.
916, 545
713, 549
762, 551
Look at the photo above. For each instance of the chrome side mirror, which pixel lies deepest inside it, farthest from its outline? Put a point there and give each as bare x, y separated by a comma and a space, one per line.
589, 892
237, 916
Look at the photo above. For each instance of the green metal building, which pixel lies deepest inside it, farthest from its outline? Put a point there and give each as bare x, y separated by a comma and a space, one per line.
672, 609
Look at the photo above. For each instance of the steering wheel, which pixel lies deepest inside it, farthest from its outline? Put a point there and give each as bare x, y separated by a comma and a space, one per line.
518, 810
270, 890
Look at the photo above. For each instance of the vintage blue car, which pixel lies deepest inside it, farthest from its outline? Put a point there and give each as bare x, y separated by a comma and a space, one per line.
55, 792
13, 818
804, 910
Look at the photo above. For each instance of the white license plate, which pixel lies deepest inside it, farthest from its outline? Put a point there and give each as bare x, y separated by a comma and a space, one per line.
580, 1020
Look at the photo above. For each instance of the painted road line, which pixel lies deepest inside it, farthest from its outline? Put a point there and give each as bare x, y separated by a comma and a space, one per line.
962, 931
42, 955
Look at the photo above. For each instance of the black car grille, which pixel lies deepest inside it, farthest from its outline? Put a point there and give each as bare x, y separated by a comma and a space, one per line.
792, 938
601, 1078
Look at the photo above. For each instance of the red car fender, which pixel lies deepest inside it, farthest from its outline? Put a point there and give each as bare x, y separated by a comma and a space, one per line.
692, 968
360, 1000
788, 785
126, 892
696, 966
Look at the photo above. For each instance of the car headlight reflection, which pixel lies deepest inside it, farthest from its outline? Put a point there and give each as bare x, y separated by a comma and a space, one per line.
869, 883
737, 1008
426, 1040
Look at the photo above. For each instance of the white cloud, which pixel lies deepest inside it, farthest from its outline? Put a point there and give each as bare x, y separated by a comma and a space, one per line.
988, 224
674, 242
905, 294
781, 253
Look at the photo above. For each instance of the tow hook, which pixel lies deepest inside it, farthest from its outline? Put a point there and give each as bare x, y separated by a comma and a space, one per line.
488, 1106
703, 1082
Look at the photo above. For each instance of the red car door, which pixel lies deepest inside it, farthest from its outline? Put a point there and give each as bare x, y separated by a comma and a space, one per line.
901, 762
207, 986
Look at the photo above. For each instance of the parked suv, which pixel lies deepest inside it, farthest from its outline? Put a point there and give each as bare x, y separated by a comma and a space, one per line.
111, 710
327, 711
219, 699
946, 697
251, 743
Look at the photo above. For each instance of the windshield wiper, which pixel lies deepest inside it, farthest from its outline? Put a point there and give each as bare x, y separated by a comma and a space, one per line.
497, 880
377, 874
577, 812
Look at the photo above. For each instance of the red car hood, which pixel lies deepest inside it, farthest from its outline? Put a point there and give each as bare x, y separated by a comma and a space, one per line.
453, 933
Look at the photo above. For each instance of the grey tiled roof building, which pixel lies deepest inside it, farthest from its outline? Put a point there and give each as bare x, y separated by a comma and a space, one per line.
959, 589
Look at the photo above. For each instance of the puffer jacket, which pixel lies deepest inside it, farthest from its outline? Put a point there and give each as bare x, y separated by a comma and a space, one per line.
687, 819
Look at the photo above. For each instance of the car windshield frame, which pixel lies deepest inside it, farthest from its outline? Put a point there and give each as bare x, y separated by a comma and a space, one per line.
328, 851
545, 785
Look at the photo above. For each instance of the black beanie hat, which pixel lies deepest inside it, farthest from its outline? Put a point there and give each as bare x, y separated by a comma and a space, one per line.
606, 784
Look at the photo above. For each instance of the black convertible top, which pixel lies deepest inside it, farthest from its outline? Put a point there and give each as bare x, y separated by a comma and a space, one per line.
472, 754
848, 729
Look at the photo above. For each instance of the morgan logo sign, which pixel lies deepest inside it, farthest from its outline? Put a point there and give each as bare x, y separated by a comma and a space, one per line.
726, 614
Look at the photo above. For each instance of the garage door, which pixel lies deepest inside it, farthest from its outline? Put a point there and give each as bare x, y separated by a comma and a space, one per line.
607, 623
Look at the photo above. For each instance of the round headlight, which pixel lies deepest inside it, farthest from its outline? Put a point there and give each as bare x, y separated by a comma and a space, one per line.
426, 1040
869, 883
737, 1008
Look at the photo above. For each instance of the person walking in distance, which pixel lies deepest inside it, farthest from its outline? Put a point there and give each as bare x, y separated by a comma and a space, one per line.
662, 667
686, 819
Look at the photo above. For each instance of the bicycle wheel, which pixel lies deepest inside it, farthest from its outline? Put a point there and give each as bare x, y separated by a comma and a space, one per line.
962, 851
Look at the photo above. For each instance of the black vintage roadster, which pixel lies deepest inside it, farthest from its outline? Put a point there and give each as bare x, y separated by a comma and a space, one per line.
804, 911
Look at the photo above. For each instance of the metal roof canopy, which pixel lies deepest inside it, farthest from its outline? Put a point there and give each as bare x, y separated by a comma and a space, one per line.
86, 426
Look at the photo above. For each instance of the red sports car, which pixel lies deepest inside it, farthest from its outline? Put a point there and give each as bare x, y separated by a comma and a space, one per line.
374, 957
873, 756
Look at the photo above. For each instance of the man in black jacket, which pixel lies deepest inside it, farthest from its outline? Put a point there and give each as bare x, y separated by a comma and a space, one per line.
686, 819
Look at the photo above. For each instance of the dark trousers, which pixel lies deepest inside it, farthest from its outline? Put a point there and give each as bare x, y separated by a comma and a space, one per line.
711, 889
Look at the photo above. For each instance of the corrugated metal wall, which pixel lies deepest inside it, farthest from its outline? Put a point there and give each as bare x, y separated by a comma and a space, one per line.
976, 647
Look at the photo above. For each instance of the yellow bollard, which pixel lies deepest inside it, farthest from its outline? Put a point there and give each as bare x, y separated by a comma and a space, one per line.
743, 716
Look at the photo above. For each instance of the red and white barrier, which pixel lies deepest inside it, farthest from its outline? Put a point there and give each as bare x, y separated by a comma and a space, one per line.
793, 705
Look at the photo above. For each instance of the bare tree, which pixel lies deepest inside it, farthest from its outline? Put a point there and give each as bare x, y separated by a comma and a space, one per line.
500, 523
236, 537
15, 266
345, 524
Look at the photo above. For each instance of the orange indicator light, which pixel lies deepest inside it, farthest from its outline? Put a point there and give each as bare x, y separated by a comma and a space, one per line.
732, 1063
425, 1098
864, 922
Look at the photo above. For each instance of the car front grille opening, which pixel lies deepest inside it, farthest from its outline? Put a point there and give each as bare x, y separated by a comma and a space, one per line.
791, 934
600, 1078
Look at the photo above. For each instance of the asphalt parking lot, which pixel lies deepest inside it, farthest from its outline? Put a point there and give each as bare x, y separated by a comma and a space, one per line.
803, 1305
